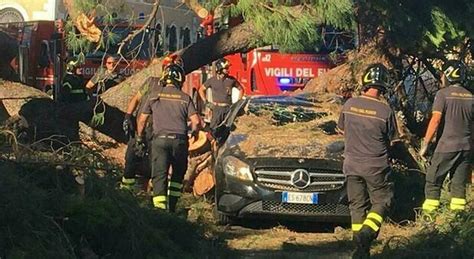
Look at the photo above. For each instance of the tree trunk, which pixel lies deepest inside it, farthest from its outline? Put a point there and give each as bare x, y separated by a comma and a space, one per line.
237, 39
39, 109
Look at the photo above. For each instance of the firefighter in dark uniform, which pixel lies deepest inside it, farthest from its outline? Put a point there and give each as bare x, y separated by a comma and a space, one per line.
73, 89
369, 128
105, 78
170, 108
452, 122
135, 159
221, 86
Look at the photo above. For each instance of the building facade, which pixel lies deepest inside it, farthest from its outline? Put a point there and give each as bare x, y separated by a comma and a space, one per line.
176, 23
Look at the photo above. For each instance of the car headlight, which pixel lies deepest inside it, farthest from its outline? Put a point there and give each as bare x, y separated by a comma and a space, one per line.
236, 168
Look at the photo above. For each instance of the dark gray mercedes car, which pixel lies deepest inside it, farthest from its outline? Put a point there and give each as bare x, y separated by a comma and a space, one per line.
281, 158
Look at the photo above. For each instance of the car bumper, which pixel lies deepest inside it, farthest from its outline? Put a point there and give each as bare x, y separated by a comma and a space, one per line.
248, 199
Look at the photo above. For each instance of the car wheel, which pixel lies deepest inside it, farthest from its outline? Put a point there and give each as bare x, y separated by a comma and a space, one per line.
222, 219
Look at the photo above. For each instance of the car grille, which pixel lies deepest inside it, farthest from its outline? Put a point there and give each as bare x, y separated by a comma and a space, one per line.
298, 209
280, 179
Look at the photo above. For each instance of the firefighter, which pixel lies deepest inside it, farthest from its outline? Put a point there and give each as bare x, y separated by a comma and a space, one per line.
452, 122
105, 78
170, 109
369, 128
73, 83
221, 86
133, 158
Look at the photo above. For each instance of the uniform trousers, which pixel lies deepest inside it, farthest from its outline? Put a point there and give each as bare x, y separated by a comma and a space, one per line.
370, 199
134, 163
166, 152
218, 116
457, 164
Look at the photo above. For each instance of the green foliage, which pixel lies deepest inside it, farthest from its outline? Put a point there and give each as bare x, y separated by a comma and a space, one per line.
85, 6
430, 28
294, 27
77, 44
210, 4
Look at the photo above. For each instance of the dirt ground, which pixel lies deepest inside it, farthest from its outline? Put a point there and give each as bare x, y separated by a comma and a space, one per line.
272, 239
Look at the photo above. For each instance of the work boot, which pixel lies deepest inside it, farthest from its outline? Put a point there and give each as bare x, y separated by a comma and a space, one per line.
362, 240
129, 185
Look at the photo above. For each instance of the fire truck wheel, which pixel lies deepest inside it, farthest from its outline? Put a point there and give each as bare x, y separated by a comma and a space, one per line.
10, 15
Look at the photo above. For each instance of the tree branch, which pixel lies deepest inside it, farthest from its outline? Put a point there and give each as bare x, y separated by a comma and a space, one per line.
132, 35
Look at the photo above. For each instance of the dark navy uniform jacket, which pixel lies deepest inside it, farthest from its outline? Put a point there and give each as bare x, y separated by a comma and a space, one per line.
170, 109
455, 103
369, 126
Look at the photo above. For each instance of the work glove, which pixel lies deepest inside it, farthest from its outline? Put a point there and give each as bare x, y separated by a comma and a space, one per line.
423, 149
127, 125
140, 147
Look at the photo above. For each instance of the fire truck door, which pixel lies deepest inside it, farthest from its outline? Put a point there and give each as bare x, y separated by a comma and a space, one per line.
23, 63
56, 49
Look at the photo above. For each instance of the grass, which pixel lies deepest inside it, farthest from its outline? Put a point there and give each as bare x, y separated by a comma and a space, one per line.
451, 237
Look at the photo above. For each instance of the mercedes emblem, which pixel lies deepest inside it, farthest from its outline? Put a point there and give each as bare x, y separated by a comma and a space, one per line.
300, 178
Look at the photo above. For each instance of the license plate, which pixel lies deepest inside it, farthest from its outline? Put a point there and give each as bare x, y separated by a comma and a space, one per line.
299, 197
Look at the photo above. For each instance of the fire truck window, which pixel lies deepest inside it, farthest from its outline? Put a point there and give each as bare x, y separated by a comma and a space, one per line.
137, 48
253, 80
158, 40
43, 60
186, 34
172, 39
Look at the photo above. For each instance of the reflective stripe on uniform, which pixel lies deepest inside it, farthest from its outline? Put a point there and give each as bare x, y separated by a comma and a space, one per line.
371, 224
430, 205
68, 85
159, 202
175, 185
77, 91
457, 204
174, 193
356, 227
375, 216
128, 180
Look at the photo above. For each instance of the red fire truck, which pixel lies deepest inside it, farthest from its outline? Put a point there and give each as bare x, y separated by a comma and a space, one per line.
41, 55
38, 48
269, 72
